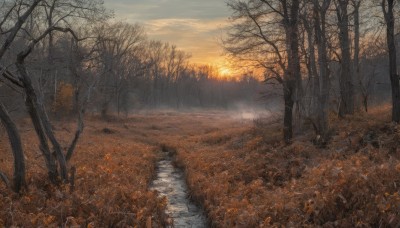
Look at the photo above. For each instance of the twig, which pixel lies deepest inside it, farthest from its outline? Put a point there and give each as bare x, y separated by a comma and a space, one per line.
5, 179
72, 179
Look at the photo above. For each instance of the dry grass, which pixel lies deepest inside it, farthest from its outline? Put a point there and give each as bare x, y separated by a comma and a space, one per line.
113, 172
245, 177
239, 171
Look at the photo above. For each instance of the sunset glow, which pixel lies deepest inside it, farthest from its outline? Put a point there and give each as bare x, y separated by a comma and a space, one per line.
224, 71
195, 27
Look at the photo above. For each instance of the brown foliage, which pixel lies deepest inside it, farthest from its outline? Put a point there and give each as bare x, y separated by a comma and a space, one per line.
241, 174
63, 102
244, 177
111, 185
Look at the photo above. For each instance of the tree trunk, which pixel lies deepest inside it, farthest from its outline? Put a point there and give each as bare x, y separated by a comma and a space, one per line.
346, 78
292, 85
118, 102
44, 146
365, 102
104, 111
394, 78
40, 119
37, 123
315, 103
320, 34
78, 132
294, 49
288, 88
357, 40
15, 141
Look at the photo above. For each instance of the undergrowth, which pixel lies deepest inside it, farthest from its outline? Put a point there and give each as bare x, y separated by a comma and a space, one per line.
238, 171
113, 172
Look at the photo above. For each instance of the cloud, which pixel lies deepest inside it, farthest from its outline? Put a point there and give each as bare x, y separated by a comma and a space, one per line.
195, 26
177, 24
143, 10
198, 37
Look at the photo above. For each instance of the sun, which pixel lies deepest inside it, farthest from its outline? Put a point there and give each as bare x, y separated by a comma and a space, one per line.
224, 71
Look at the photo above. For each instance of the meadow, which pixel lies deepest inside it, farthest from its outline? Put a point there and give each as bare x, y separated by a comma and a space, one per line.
237, 169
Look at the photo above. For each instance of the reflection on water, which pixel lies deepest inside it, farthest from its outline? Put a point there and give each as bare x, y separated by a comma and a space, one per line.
170, 183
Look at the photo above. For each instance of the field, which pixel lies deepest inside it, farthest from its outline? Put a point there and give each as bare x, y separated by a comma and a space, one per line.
237, 169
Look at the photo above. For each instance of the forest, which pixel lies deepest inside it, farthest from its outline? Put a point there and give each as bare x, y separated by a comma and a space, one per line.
104, 126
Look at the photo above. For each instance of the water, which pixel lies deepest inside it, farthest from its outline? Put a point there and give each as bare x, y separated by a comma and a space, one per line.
170, 183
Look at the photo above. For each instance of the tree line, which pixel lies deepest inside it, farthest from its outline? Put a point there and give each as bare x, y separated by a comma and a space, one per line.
327, 55
61, 57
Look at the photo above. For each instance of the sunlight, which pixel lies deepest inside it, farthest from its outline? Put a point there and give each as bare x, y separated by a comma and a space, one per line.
224, 71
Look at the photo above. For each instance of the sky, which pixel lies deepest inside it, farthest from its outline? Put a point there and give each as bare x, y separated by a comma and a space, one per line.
194, 26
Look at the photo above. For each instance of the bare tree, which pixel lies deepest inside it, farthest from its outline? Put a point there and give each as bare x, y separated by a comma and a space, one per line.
387, 9
321, 73
63, 13
346, 78
257, 37
119, 44
356, 6
176, 64
14, 138
34, 104
371, 60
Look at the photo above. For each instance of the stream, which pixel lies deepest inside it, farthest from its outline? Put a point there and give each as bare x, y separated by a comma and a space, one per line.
170, 182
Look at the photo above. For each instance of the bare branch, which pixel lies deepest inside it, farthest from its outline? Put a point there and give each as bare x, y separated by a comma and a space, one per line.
13, 33
273, 8
6, 15
10, 77
22, 55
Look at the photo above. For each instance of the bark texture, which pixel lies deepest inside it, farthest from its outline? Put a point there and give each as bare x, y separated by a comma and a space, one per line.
16, 146
346, 78
394, 78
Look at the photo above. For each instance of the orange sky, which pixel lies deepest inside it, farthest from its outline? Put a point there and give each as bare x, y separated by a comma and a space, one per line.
195, 26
